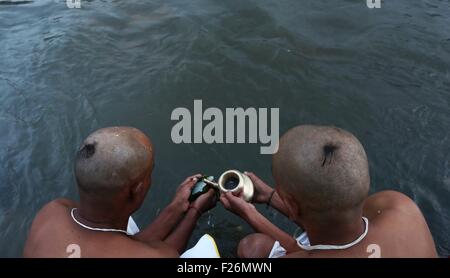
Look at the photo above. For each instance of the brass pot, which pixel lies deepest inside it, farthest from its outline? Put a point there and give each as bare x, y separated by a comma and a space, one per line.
238, 180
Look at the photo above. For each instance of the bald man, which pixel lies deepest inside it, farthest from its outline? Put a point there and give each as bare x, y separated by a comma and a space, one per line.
113, 170
322, 184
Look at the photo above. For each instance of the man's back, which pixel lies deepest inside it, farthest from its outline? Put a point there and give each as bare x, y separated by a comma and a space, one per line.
397, 228
55, 234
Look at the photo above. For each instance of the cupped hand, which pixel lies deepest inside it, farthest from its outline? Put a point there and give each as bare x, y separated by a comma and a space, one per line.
235, 203
262, 191
181, 199
205, 201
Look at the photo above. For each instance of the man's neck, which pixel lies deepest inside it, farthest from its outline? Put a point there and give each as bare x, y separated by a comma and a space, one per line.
99, 217
336, 234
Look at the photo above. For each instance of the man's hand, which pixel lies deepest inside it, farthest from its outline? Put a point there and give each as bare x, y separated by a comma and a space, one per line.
205, 201
181, 199
166, 221
262, 191
236, 204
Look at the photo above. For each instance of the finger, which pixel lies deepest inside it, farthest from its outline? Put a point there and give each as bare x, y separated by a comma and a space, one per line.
190, 183
191, 178
238, 193
226, 195
250, 174
253, 177
216, 197
224, 201
236, 200
230, 197
210, 193
213, 196
241, 194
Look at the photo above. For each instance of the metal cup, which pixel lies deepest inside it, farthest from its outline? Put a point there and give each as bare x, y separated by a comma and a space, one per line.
234, 180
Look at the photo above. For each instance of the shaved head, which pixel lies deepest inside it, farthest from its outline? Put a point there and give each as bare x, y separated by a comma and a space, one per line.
324, 169
112, 158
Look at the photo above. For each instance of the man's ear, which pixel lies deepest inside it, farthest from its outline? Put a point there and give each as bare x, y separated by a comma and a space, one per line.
136, 190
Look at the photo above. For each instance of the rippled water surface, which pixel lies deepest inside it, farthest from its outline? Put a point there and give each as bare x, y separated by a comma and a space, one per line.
382, 74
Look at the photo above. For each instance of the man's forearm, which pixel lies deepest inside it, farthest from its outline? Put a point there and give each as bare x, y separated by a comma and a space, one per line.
161, 227
179, 238
262, 225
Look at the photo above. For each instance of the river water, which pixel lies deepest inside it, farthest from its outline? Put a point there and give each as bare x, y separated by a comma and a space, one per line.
383, 74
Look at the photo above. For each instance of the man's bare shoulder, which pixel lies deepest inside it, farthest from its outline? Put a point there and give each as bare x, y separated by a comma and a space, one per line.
394, 212
62, 202
57, 204
397, 222
46, 214
51, 209
391, 202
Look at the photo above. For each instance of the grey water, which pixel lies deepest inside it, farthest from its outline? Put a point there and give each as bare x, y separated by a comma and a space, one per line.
383, 74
